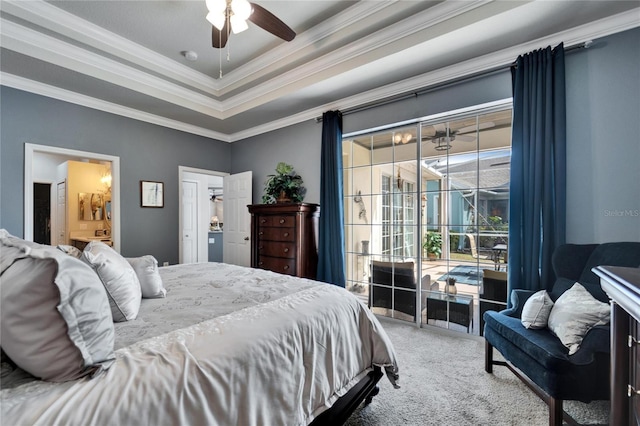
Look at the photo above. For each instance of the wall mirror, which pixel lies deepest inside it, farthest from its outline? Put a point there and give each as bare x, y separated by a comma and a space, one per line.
91, 206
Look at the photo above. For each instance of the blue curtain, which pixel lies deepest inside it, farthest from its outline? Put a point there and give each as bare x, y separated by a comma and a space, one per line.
331, 256
537, 207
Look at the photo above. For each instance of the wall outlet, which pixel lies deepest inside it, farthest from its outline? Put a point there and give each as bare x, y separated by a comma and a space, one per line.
165, 263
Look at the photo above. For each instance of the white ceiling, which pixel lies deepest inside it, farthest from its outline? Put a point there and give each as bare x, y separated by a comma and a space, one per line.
125, 56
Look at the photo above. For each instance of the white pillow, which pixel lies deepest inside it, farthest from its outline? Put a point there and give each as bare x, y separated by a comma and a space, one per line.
118, 278
575, 313
536, 310
146, 268
55, 321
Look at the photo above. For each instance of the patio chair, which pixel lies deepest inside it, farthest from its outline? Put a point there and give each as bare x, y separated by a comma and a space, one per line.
401, 281
474, 248
492, 292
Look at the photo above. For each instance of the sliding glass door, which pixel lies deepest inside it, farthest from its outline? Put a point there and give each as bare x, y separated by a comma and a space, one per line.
425, 205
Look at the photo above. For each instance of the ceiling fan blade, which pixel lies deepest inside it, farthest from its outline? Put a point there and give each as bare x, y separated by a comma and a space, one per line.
269, 22
481, 126
219, 37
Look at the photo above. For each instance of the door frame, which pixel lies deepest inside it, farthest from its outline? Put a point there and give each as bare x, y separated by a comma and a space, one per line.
32, 150
201, 229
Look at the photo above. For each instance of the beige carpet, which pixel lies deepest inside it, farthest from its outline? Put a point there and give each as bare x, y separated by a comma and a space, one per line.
443, 382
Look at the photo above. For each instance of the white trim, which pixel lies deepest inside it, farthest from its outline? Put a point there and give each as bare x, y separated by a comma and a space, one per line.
32, 86
69, 25
583, 33
46, 48
31, 149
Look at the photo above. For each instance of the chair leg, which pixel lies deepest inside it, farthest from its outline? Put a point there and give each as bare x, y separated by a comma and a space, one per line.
555, 412
488, 357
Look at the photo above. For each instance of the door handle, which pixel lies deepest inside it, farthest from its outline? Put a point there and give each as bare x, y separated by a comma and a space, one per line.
246, 238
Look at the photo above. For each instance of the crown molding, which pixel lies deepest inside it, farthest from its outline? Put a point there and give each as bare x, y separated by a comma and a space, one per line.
331, 63
254, 68
492, 61
49, 91
593, 30
49, 49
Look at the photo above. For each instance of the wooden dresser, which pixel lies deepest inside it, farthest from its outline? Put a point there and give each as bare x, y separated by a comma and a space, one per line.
284, 238
623, 287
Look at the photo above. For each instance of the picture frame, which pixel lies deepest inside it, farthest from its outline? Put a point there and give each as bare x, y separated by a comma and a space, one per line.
151, 194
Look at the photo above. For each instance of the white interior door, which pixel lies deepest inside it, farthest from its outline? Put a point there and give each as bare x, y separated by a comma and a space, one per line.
237, 220
61, 214
189, 221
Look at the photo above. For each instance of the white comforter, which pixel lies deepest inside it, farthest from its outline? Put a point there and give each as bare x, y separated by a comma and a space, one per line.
275, 362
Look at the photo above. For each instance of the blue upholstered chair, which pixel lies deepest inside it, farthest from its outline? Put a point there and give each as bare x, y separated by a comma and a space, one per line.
539, 358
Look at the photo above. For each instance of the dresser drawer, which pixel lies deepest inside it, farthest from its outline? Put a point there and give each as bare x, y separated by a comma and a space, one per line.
277, 264
277, 249
276, 234
277, 220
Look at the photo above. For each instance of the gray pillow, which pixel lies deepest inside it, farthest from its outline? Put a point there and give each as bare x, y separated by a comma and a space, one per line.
536, 310
575, 313
118, 278
146, 268
70, 250
55, 321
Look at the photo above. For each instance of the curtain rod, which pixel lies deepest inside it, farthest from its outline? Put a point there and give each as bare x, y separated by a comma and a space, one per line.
438, 86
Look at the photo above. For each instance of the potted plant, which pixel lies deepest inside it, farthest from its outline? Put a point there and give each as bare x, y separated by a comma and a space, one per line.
433, 244
283, 187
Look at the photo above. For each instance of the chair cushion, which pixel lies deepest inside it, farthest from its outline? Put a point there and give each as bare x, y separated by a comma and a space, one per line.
540, 345
612, 254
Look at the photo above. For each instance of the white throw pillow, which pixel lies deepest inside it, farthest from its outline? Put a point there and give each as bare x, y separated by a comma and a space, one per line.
536, 310
575, 313
118, 278
146, 268
55, 321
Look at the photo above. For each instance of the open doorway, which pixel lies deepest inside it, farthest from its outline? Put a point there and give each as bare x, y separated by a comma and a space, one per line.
42, 213
42, 164
202, 222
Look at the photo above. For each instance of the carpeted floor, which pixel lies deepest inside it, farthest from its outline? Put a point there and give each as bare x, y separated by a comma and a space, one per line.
464, 275
443, 383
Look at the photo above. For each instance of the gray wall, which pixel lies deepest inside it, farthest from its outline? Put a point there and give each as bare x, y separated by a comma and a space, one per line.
603, 140
146, 151
603, 136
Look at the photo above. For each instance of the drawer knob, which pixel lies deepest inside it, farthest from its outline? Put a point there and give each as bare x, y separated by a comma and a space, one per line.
286, 234
286, 267
260, 263
631, 391
260, 248
260, 233
631, 341
281, 220
286, 249
263, 221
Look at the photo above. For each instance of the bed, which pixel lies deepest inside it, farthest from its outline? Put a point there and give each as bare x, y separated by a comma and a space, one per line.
228, 345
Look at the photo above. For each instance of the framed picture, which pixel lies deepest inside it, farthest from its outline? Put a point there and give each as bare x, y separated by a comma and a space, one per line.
151, 194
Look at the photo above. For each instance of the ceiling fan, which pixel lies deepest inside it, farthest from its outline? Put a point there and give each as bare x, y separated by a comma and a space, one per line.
442, 139
226, 15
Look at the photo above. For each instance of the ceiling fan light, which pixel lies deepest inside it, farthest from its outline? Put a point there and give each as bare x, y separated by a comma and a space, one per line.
241, 8
216, 5
238, 24
216, 19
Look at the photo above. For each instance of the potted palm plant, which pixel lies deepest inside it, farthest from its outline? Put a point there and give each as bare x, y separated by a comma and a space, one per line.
432, 244
285, 186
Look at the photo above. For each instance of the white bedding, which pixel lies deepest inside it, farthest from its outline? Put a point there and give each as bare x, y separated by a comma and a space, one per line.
262, 349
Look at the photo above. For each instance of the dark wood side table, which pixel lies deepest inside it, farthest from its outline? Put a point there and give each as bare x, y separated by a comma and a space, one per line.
623, 287
460, 309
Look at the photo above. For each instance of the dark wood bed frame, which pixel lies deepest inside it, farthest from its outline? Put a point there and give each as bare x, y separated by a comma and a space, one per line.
340, 411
